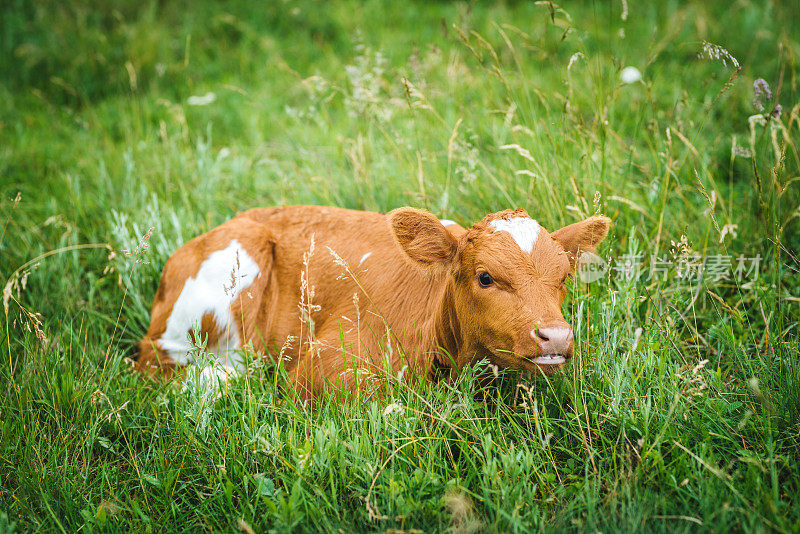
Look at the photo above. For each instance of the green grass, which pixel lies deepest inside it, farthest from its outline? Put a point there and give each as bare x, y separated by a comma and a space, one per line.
682, 408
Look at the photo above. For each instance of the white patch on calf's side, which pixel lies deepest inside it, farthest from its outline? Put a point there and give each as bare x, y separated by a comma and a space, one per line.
220, 279
524, 230
447, 222
364, 258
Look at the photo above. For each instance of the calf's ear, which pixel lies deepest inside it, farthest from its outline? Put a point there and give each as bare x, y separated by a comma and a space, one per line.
583, 236
422, 237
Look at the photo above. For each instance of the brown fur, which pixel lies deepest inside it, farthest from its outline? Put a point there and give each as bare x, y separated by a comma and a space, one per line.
414, 301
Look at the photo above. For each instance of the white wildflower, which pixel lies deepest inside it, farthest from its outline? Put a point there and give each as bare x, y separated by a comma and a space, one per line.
574, 58
203, 100
630, 75
728, 229
393, 408
712, 51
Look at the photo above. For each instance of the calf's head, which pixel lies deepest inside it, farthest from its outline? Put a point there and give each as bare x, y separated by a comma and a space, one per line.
507, 277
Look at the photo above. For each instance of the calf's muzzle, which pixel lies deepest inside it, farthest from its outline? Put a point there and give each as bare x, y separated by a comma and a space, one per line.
554, 341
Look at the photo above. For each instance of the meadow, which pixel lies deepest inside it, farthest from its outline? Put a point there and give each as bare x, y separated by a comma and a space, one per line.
127, 128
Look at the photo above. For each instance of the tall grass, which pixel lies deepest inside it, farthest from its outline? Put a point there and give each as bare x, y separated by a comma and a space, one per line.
680, 411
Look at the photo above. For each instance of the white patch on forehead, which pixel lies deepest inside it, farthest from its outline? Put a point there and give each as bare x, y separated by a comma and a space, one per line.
447, 222
364, 258
524, 230
220, 279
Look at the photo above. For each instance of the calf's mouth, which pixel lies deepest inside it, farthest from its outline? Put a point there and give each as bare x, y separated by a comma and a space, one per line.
549, 359
547, 363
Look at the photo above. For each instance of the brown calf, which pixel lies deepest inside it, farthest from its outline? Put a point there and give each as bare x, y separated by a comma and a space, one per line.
331, 291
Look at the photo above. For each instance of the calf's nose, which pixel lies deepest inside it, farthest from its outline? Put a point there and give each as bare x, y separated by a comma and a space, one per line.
553, 339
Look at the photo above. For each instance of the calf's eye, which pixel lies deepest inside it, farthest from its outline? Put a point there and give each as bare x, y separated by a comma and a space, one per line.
485, 279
